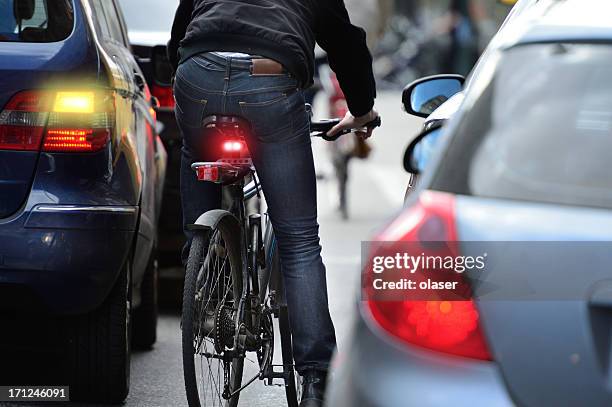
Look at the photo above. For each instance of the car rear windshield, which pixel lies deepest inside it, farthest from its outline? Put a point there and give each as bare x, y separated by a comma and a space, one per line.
158, 17
35, 20
541, 130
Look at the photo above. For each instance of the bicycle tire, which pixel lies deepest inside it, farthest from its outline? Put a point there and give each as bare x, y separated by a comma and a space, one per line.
291, 378
199, 252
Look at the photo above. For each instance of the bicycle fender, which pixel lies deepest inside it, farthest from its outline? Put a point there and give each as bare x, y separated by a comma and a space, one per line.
212, 218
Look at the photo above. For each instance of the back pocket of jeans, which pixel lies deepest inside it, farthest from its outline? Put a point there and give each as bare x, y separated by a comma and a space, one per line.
190, 109
269, 116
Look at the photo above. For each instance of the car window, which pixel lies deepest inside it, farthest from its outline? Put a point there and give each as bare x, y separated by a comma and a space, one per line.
36, 21
159, 15
109, 24
541, 129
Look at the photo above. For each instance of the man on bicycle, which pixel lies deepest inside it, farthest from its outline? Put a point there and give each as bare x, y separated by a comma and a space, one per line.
253, 59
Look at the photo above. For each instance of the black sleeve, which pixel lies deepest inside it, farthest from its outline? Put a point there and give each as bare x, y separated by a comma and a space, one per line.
182, 19
348, 55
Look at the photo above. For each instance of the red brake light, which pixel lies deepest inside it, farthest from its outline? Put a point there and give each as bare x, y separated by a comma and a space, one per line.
165, 95
445, 326
76, 121
75, 140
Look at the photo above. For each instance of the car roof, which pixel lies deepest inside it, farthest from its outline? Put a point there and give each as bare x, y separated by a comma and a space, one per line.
562, 20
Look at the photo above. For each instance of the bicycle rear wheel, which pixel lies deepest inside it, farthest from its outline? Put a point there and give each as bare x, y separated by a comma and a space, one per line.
213, 286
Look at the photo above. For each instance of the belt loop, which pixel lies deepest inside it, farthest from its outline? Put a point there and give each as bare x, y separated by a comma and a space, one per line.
228, 69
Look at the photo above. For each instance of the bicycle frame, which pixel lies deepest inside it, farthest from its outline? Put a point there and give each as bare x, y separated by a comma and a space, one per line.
262, 294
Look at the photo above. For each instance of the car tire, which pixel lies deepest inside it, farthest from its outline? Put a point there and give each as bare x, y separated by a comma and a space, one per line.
144, 333
100, 348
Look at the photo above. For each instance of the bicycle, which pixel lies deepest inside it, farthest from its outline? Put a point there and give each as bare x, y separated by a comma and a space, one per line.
233, 285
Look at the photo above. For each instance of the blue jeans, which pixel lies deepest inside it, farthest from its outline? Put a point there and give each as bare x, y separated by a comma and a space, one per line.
280, 148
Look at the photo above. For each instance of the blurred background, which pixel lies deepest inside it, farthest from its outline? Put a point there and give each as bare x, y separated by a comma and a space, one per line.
425, 37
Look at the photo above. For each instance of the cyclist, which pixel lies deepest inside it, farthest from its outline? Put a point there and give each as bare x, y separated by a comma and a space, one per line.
253, 59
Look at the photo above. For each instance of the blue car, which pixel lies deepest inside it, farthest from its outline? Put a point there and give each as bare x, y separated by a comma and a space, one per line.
81, 175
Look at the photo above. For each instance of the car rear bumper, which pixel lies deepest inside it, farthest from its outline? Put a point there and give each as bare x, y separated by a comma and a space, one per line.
374, 371
63, 259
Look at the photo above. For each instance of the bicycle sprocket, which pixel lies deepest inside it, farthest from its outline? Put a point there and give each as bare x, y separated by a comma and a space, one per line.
224, 328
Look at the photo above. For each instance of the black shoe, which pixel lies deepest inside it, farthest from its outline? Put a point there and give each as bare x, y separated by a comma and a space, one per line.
313, 388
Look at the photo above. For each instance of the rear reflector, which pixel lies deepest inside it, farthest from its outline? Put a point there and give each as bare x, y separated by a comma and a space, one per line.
208, 173
74, 121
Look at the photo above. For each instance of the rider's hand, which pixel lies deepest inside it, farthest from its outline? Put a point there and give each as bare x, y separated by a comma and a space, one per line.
352, 122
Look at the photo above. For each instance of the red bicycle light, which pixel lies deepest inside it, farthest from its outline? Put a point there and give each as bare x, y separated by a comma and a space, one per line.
232, 146
441, 325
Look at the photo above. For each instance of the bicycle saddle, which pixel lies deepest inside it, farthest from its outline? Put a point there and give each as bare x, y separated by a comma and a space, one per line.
222, 123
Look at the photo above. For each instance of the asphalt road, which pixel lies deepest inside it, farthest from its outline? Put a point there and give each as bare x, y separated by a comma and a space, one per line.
376, 193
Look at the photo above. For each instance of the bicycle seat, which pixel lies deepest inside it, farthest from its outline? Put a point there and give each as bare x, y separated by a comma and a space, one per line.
226, 123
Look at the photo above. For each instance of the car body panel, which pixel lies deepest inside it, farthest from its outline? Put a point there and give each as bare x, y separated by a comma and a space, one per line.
86, 214
374, 370
525, 326
26, 66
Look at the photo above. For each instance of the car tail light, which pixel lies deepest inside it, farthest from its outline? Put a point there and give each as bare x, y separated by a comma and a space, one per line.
438, 324
23, 121
74, 121
165, 95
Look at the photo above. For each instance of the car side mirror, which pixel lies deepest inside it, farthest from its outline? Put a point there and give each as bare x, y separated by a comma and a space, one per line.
162, 70
420, 150
423, 96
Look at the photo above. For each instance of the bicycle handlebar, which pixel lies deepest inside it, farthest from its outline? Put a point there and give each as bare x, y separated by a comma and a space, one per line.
321, 127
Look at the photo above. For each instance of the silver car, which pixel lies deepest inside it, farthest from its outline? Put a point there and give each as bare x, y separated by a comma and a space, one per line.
521, 174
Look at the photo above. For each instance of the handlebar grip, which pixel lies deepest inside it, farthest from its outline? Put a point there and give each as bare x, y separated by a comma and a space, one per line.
323, 125
323, 128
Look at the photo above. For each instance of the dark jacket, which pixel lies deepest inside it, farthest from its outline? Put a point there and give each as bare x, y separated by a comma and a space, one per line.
283, 30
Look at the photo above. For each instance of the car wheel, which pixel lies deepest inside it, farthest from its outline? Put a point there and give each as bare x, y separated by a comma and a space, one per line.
144, 332
100, 348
